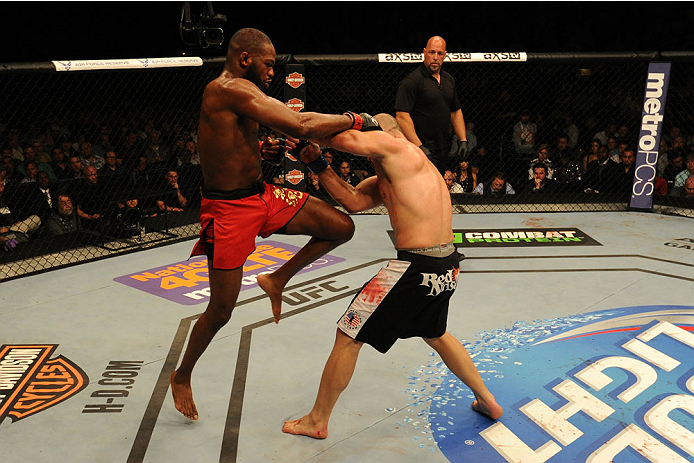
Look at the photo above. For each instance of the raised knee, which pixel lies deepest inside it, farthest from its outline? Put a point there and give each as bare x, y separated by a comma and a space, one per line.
346, 228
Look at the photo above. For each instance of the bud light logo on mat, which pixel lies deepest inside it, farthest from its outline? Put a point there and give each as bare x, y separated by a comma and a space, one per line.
609, 386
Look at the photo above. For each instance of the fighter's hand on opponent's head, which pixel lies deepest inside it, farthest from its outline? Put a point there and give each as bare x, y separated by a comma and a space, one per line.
364, 122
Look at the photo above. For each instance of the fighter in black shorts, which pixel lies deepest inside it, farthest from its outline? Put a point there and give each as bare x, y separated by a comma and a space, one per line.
409, 297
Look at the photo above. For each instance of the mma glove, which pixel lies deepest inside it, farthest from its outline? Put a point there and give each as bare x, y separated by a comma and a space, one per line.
462, 148
274, 158
316, 166
364, 122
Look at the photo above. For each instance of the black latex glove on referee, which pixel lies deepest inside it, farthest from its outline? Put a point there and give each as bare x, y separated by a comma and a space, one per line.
462, 148
425, 150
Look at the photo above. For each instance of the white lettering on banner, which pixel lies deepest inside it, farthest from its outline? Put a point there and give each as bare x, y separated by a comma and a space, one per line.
593, 375
513, 449
455, 57
556, 424
137, 63
657, 418
644, 176
638, 439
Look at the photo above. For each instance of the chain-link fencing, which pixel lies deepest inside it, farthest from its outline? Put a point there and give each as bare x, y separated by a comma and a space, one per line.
98, 163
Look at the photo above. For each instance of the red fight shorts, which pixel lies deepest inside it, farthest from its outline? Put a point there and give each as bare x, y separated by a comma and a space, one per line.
230, 221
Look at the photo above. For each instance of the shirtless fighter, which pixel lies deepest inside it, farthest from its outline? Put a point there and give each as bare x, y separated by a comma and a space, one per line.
409, 297
237, 205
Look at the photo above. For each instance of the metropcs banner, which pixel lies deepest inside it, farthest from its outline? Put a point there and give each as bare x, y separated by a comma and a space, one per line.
649, 135
608, 386
187, 282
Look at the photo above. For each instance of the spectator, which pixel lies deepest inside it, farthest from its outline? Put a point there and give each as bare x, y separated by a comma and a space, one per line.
603, 175
592, 155
497, 186
675, 166
14, 228
42, 155
570, 132
524, 135
129, 216
610, 130
90, 199
31, 170
75, 169
627, 168
347, 175
190, 155
131, 152
11, 175
685, 174
30, 156
157, 154
466, 177
453, 186
427, 104
58, 164
568, 172
663, 156
111, 165
66, 147
172, 199
612, 149
622, 135
562, 147
63, 220
44, 196
540, 183
15, 146
542, 157
88, 157
104, 146
686, 190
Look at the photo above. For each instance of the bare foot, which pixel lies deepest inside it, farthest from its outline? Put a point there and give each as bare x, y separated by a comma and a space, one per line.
304, 427
491, 409
268, 284
183, 397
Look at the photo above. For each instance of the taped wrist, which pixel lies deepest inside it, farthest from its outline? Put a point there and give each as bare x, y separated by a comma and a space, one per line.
318, 165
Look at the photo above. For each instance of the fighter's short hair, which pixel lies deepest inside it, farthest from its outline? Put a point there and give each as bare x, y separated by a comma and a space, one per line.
250, 40
388, 123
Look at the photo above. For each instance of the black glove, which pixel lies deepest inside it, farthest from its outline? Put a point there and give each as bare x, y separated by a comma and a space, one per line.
426, 151
299, 146
364, 122
462, 148
276, 159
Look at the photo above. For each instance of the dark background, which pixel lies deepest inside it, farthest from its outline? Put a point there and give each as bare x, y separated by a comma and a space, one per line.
44, 31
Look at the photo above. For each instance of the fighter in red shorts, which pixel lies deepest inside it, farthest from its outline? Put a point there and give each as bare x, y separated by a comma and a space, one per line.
237, 205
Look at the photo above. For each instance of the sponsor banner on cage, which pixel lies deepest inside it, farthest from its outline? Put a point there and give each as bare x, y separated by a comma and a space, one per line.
129, 63
31, 381
613, 385
649, 136
455, 57
187, 282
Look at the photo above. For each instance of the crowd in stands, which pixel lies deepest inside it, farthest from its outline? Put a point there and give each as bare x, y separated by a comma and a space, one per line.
566, 160
105, 181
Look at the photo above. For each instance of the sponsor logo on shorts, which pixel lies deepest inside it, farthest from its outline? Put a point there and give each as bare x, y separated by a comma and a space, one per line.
682, 243
613, 385
294, 176
440, 283
187, 282
351, 320
295, 80
295, 104
523, 237
31, 382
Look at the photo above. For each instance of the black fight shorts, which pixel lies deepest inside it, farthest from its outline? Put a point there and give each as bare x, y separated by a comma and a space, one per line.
408, 298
